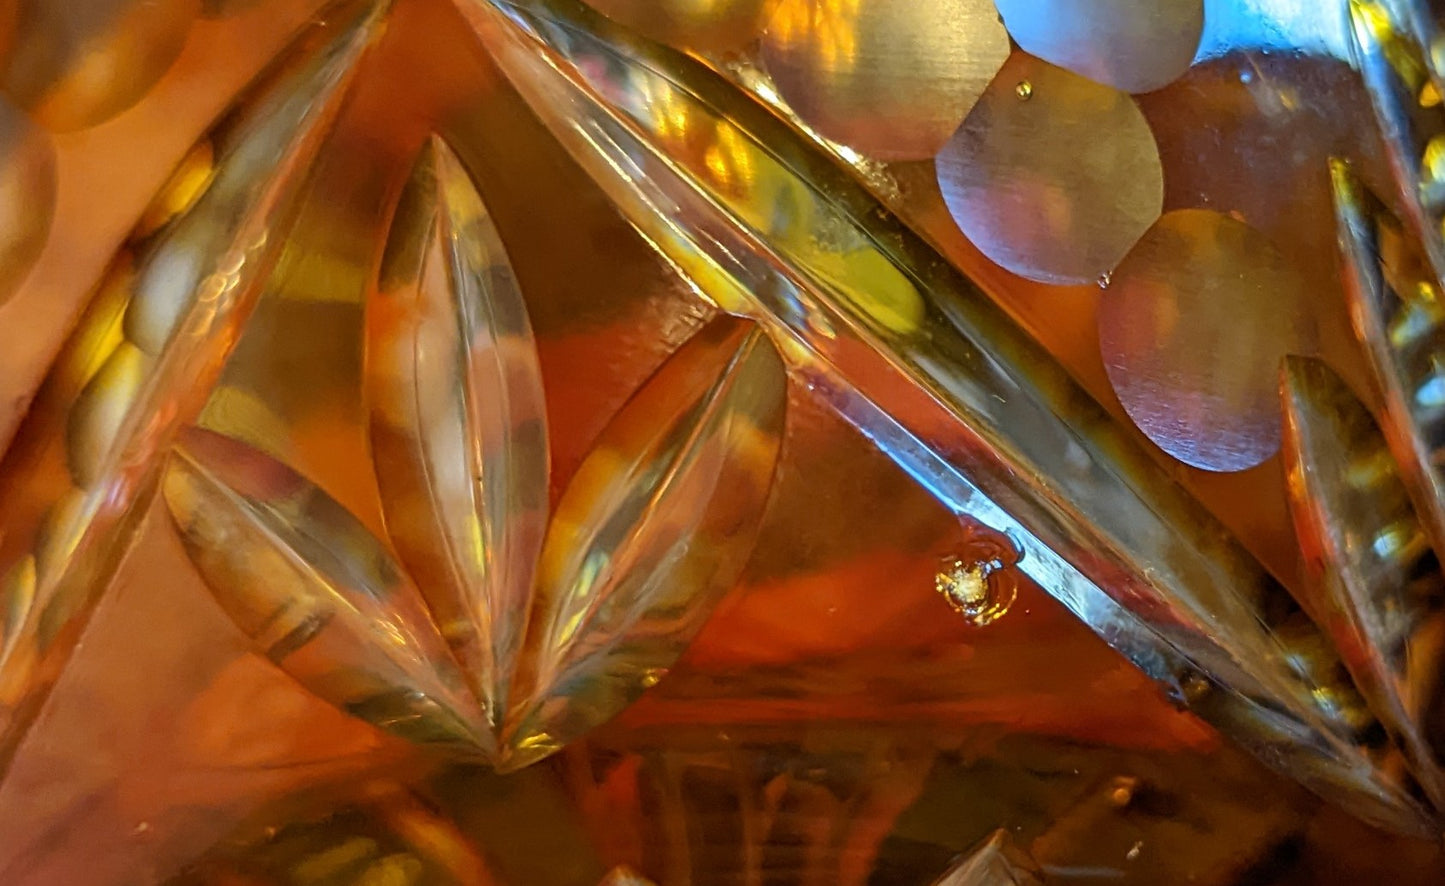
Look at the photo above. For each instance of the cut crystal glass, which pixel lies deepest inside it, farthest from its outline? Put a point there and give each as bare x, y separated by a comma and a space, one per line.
721, 441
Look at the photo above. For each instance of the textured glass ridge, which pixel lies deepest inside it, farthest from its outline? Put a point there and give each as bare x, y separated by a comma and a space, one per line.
1376, 579
968, 396
146, 352
592, 442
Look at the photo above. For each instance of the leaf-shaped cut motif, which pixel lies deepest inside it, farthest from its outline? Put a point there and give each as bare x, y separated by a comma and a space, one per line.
458, 419
150, 346
316, 591
1376, 582
657, 523
952, 388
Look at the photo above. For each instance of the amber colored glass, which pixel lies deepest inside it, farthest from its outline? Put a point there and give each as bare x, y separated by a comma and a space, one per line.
314, 575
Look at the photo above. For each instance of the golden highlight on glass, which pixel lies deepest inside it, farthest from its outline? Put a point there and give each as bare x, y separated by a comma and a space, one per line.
144, 354
602, 442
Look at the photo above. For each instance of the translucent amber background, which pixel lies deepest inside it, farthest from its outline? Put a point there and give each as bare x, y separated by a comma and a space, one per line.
836, 722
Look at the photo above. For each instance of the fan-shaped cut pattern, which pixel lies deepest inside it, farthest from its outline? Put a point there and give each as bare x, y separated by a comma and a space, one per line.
749, 210
655, 526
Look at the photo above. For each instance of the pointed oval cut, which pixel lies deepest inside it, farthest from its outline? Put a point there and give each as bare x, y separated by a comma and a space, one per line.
316, 591
81, 62
458, 419
656, 525
1376, 586
150, 346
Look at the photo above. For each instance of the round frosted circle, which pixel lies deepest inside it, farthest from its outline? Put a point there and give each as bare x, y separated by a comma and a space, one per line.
1052, 176
1133, 45
890, 79
1192, 329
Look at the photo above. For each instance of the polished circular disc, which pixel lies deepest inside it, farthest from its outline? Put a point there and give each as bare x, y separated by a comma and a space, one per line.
890, 79
689, 24
1052, 176
1133, 45
78, 63
27, 195
1193, 327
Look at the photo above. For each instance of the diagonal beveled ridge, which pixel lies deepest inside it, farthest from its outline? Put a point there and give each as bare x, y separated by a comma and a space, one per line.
1398, 317
317, 592
557, 627
1391, 41
458, 419
149, 347
1426, 23
1376, 586
932, 370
